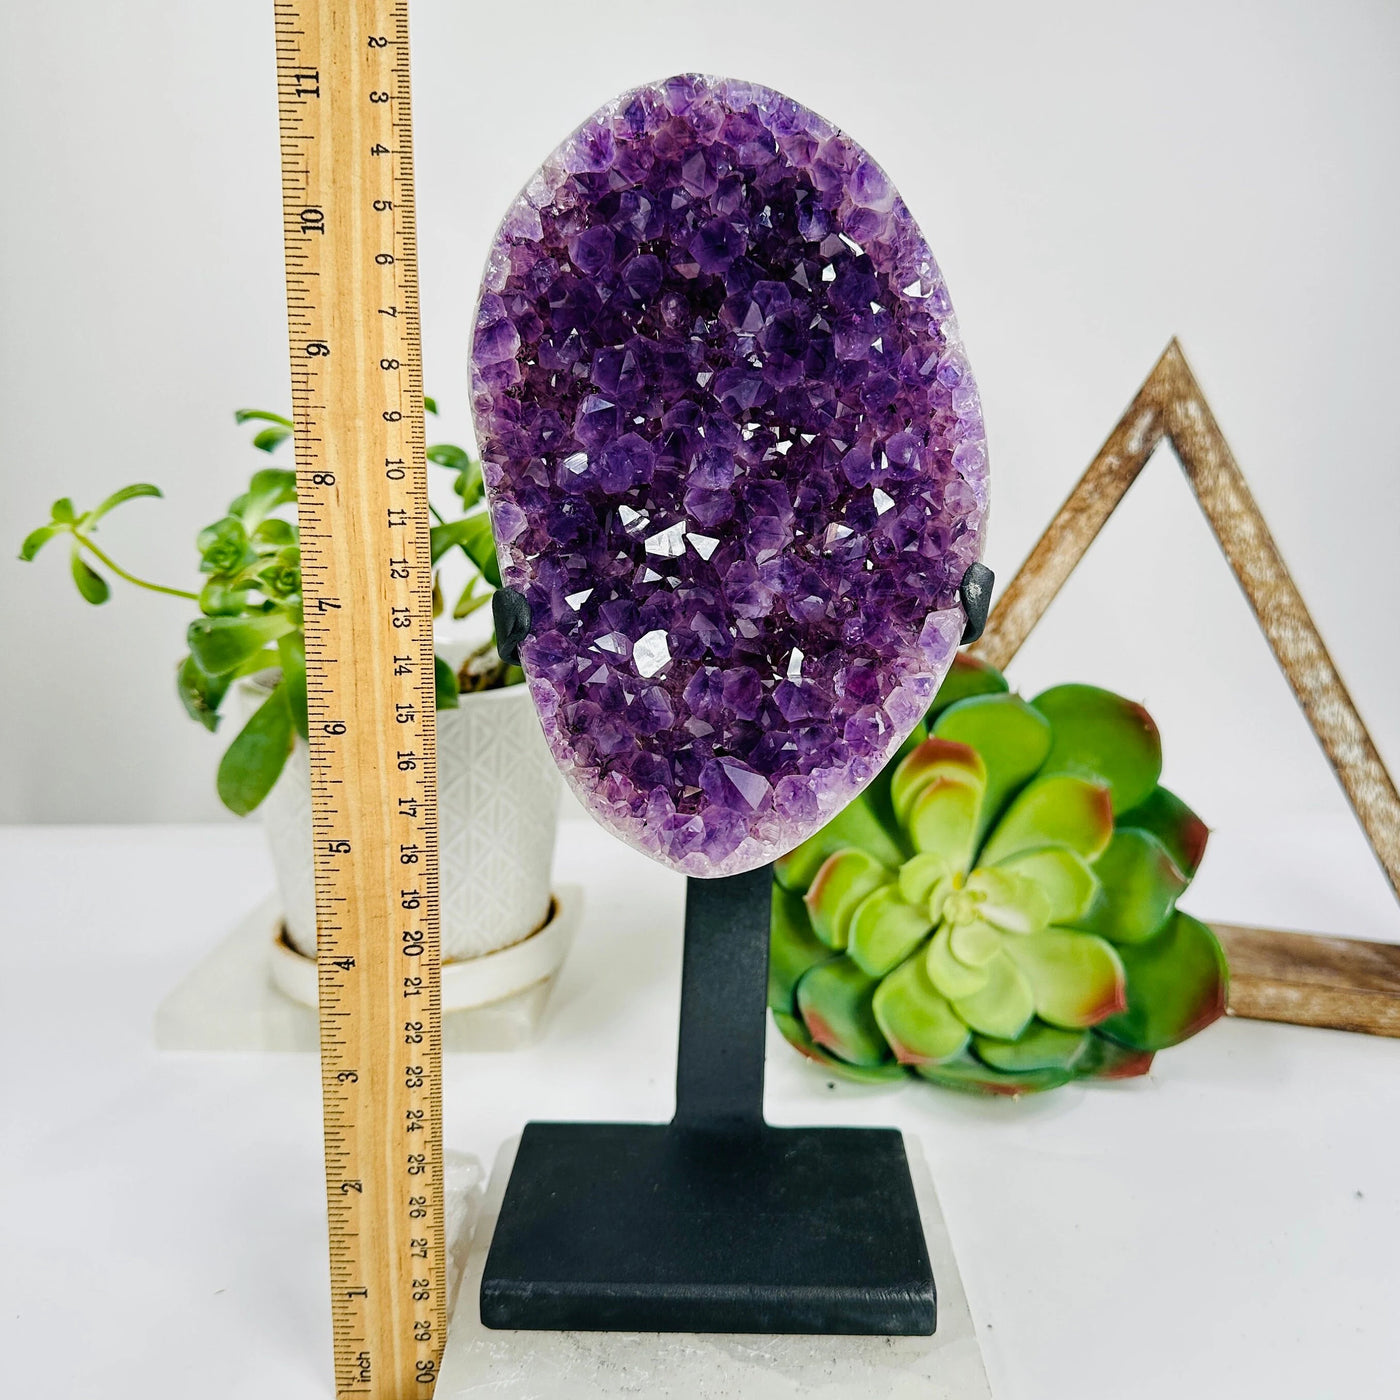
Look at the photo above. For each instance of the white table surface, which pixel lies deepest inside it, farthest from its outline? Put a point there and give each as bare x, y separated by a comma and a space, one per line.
1229, 1227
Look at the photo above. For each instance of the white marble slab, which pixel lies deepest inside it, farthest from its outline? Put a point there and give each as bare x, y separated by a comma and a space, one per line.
502, 1365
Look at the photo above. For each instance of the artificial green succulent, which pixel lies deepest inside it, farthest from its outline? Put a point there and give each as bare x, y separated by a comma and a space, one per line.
997, 911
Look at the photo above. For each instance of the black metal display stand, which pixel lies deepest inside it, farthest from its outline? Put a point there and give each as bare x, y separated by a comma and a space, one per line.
714, 1222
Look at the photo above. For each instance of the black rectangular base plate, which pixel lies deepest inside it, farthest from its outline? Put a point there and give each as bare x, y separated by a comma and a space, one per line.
657, 1228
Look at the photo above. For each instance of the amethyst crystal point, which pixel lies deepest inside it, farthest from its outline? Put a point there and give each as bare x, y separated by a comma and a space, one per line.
735, 462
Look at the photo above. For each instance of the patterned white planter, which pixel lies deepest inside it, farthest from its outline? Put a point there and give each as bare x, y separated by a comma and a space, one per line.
498, 803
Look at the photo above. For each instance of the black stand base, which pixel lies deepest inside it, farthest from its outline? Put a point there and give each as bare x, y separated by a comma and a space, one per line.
714, 1222
632, 1228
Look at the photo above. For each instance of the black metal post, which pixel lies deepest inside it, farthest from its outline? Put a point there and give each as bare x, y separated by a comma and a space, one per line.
724, 979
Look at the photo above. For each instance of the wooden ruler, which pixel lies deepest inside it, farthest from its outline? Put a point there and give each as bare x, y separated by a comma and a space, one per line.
357, 391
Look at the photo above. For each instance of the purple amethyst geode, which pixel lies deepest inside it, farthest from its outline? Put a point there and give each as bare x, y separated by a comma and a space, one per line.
735, 462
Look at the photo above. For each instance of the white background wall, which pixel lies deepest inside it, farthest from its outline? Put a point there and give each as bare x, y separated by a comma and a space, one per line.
1093, 177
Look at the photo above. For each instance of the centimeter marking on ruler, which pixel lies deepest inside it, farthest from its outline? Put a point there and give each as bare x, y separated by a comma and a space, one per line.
357, 391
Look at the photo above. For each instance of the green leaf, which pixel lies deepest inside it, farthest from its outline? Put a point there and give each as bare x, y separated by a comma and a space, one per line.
944, 819
259, 415
1010, 899
470, 485
1076, 979
855, 825
834, 1000
884, 930
447, 536
930, 761
1003, 1006
471, 600
917, 1021
269, 488
1098, 734
35, 540
220, 644
952, 977
62, 511
473, 536
1039, 1047
445, 685
1010, 737
90, 583
1106, 1059
975, 943
1177, 985
200, 693
1174, 824
792, 947
291, 652
449, 455
281, 576
1054, 810
223, 546
270, 439
273, 534
842, 882
920, 873
217, 599
429, 404
1063, 876
966, 676
1141, 884
795, 1033
253, 762
971, 1076
127, 493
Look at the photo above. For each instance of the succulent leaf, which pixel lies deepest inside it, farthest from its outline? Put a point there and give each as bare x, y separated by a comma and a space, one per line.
1009, 899
949, 974
1098, 734
1011, 737
1063, 876
220, 644
793, 948
1076, 979
253, 762
972, 1076
1055, 810
1140, 883
974, 944
933, 761
94, 588
201, 694
944, 820
1041, 1046
795, 1033
834, 1000
1003, 1006
967, 676
915, 1018
1106, 1059
920, 873
1174, 824
842, 882
1176, 983
856, 825
884, 930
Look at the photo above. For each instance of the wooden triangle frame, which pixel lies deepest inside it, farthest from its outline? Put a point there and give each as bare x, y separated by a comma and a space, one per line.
1274, 976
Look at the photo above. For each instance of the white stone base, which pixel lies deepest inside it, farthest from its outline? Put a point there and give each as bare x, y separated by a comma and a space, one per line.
699, 1366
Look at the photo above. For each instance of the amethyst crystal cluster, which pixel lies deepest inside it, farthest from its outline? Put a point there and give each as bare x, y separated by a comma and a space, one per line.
735, 462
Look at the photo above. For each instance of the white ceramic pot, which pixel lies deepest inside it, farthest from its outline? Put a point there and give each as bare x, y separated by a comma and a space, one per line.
498, 804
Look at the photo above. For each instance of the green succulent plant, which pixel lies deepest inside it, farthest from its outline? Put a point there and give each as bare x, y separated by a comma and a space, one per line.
250, 616
997, 912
